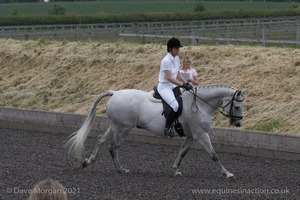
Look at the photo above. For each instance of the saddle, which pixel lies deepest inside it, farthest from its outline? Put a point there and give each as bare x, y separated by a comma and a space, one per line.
177, 125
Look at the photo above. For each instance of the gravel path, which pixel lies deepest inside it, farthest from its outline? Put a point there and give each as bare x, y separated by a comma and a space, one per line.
27, 157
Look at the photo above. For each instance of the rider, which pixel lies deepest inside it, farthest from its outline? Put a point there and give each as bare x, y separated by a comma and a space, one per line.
169, 78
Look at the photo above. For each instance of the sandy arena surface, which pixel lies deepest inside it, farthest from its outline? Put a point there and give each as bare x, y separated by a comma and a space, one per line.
27, 157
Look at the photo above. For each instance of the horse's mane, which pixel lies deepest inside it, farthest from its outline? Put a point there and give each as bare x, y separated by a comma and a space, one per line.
215, 86
213, 89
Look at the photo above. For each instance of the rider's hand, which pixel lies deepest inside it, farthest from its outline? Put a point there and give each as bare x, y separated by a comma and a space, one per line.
187, 86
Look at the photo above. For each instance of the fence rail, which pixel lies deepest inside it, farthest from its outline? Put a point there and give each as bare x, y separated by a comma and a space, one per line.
281, 30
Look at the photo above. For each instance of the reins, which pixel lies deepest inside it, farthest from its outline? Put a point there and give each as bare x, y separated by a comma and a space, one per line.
230, 115
194, 105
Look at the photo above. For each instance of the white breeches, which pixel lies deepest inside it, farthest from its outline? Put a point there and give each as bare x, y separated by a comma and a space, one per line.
166, 92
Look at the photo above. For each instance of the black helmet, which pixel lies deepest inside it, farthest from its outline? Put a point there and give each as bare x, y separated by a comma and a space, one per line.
173, 42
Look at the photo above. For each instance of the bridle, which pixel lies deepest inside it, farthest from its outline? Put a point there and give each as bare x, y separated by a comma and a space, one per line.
230, 115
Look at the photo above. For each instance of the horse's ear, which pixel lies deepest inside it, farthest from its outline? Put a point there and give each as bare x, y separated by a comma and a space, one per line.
241, 92
244, 90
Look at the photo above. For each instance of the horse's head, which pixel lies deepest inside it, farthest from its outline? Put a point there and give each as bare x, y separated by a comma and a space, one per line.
234, 106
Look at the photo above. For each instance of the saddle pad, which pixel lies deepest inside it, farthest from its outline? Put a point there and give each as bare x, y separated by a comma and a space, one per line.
151, 98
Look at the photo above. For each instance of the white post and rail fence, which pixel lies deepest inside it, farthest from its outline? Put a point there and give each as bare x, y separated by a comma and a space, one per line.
283, 31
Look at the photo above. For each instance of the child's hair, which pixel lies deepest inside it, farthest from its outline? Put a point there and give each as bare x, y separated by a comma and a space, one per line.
48, 189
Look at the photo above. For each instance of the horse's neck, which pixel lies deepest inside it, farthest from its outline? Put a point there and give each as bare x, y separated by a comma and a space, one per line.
215, 94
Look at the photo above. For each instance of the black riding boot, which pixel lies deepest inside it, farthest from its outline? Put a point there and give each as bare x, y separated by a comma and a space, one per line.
170, 118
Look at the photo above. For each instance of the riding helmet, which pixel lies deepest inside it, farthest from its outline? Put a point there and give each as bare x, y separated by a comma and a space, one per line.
173, 42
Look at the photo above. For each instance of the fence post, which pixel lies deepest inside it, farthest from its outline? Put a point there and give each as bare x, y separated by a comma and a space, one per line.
227, 36
263, 36
298, 35
193, 39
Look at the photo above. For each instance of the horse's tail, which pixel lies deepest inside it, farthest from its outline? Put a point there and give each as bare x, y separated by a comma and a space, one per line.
76, 142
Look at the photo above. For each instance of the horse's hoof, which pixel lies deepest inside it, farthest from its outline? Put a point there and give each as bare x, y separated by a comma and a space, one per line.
178, 173
229, 175
123, 171
85, 164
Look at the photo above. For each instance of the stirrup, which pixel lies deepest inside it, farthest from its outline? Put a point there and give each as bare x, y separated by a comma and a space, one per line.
169, 132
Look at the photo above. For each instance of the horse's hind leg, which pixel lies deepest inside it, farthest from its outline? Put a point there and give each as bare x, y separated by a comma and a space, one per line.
183, 151
101, 139
204, 140
120, 133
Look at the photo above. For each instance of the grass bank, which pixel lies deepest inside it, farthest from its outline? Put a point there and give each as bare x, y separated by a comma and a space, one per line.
68, 76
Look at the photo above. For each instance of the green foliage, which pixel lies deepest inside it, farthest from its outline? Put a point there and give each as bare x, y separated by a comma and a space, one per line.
57, 10
270, 125
14, 13
141, 17
134, 6
294, 6
199, 7
43, 97
138, 11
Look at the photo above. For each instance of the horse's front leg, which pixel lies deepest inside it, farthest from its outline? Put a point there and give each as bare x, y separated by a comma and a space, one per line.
183, 151
205, 141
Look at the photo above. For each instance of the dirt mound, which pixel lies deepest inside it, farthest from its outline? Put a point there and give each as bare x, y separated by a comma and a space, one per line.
68, 76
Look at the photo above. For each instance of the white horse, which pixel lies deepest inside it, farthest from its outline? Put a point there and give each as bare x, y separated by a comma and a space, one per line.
131, 108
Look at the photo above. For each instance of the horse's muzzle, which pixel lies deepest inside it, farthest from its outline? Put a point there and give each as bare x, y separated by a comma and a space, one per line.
236, 123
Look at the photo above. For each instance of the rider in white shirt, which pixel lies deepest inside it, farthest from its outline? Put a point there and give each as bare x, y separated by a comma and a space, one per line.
169, 78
